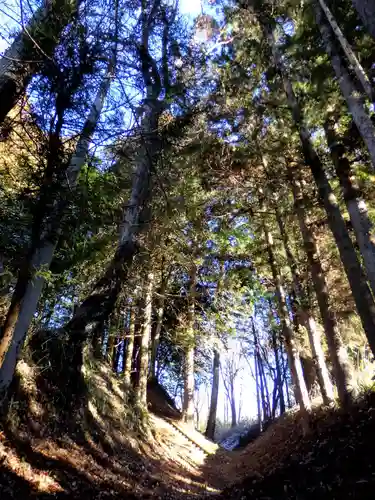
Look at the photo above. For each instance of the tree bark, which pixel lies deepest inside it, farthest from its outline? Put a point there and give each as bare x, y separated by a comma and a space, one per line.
211, 421
352, 96
141, 387
257, 386
352, 58
307, 319
32, 47
233, 409
159, 324
353, 269
355, 204
128, 356
30, 283
188, 402
300, 389
338, 354
279, 375
366, 11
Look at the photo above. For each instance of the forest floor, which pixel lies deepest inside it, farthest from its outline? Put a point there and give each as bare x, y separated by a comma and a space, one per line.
333, 459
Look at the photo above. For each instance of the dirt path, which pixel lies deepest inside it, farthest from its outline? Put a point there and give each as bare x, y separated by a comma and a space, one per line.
171, 464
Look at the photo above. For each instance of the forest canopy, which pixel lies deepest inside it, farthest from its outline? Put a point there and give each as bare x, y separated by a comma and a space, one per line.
183, 198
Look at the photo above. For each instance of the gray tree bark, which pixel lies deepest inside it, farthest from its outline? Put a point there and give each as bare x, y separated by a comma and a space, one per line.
141, 388
366, 12
352, 58
211, 421
159, 324
338, 354
307, 319
128, 356
355, 204
33, 46
189, 384
30, 282
300, 390
351, 94
353, 269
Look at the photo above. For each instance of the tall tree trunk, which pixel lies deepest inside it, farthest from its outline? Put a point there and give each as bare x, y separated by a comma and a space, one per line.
258, 379
211, 421
128, 356
351, 94
188, 402
355, 204
141, 387
257, 386
280, 381
337, 351
361, 292
159, 324
307, 319
232, 400
366, 11
300, 389
30, 283
32, 47
352, 58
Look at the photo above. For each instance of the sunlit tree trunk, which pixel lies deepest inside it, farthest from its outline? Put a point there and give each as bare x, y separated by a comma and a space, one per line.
189, 341
352, 58
128, 355
307, 319
211, 421
353, 269
352, 96
300, 389
30, 281
159, 324
366, 11
32, 47
257, 387
141, 387
355, 204
338, 354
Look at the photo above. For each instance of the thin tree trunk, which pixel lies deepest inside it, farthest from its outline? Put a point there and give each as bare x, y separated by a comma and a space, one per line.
355, 204
366, 11
129, 349
141, 387
300, 389
279, 375
211, 421
188, 402
159, 324
31, 49
352, 58
361, 292
337, 351
308, 321
352, 96
257, 385
233, 409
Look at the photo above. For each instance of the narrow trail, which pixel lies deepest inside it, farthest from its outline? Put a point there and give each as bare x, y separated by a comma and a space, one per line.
107, 457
